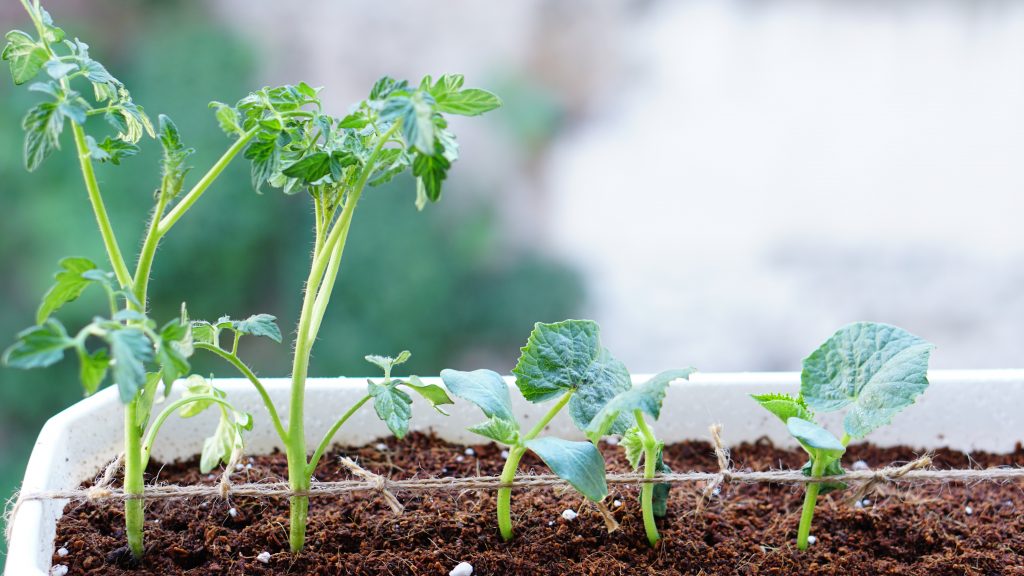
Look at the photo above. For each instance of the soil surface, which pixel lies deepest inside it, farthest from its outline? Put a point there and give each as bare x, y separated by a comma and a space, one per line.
933, 530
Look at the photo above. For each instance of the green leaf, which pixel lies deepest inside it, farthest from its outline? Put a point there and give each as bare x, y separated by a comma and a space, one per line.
785, 406
196, 385
259, 325
817, 441
646, 397
876, 369
227, 119
568, 356
226, 439
43, 125
485, 388
393, 406
175, 156
430, 392
93, 369
310, 168
110, 150
129, 350
416, 115
633, 444
38, 346
25, 55
498, 429
69, 286
386, 363
578, 463
469, 102
174, 350
265, 158
431, 171
204, 333
58, 69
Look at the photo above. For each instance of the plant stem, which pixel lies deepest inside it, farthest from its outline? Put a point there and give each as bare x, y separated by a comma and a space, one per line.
154, 428
241, 367
810, 499
124, 277
193, 195
508, 473
326, 442
647, 490
133, 480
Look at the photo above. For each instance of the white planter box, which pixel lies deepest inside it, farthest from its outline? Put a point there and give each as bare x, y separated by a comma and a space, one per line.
965, 410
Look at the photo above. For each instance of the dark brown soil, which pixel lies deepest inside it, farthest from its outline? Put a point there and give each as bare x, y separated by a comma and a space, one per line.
747, 529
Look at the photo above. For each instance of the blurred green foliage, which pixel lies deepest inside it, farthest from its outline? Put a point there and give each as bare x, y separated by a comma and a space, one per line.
438, 283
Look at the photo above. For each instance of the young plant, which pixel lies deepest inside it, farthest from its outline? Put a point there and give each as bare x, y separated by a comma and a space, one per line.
874, 370
136, 351
296, 147
628, 409
563, 361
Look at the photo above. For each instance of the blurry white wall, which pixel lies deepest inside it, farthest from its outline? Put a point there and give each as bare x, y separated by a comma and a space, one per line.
736, 179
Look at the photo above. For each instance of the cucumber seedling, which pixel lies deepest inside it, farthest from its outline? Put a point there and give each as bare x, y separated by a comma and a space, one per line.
628, 410
565, 362
872, 370
296, 147
136, 351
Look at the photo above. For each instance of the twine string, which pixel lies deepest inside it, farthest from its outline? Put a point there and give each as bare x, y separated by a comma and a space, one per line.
379, 484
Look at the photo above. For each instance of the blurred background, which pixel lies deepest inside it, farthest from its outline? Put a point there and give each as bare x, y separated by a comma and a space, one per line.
719, 184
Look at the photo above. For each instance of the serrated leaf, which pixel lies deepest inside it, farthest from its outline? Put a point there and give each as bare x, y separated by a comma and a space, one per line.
259, 325
227, 119
469, 102
265, 159
43, 125
174, 158
38, 346
110, 150
386, 363
875, 369
68, 287
92, 369
415, 113
310, 168
25, 56
174, 350
431, 171
430, 392
568, 356
204, 333
618, 414
816, 441
130, 349
498, 429
784, 406
578, 463
632, 443
485, 388
393, 407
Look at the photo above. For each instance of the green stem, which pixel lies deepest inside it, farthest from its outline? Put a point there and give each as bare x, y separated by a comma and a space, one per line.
148, 253
325, 443
133, 480
241, 367
647, 490
124, 277
193, 195
154, 428
508, 473
845, 441
810, 499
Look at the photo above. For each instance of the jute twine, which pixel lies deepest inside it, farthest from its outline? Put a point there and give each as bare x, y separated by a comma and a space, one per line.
918, 471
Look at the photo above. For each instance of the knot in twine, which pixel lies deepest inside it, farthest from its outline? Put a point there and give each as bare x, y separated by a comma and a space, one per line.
888, 474
377, 483
724, 470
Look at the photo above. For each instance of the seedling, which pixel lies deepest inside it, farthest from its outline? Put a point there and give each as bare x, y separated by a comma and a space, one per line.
626, 412
134, 349
563, 361
874, 370
296, 147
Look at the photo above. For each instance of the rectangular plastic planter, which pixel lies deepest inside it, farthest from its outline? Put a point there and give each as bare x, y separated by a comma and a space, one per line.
964, 410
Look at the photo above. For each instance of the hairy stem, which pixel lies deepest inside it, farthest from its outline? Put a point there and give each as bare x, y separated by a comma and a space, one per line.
133, 480
326, 442
647, 490
810, 499
245, 371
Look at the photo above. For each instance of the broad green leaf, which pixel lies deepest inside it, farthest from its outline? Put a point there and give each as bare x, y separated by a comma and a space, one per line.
196, 385
58, 69
129, 350
431, 171
568, 356
203, 332
875, 369
817, 441
633, 443
430, 392
578, 463
110, 150
69, 286
469, 102
415, 114
174, 350
265, 159
38, 346
393, 406
43, 125
646, 397
25, 55
259, 325
93, 369
485, 388
498, 429
310, 168
785, 406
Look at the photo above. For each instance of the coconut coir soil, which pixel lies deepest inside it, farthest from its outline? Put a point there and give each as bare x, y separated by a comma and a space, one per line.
746, 529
